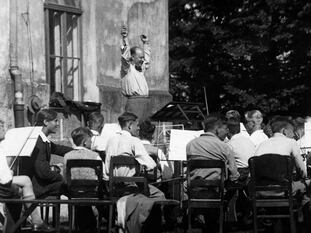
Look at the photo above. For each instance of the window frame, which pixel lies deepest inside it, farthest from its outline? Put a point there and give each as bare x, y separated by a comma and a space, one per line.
64, 10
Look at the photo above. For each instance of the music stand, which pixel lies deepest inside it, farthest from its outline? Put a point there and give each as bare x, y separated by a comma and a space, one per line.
19, 142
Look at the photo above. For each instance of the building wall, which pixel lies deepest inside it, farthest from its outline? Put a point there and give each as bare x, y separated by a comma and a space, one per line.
101, 53
101, 24
5, 95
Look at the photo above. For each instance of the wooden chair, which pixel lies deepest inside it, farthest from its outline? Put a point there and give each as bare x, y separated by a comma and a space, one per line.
136, 184
271, 187
81, 189
123, 185
152, 176
216, 200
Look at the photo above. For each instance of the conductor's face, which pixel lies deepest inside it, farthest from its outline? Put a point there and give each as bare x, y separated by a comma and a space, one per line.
52, 126
138, 58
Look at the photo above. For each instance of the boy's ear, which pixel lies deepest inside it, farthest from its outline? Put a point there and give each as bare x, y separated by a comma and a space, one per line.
45, 122
83, 143
129, 125
284, 132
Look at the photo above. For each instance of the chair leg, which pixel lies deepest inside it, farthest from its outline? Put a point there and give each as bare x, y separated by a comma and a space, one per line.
110, 218
189, 219
99, 219
221, 218
56, 217
47, 212
70, 216
291, 218
42, 210
254, 216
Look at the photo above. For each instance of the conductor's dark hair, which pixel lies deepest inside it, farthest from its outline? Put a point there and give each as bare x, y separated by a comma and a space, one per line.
79, 135
125, 118
146, 130
45, 114
134, 49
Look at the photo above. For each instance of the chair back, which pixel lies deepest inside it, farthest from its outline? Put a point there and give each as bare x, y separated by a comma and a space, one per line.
152, 175
271, 172
102, 154
216, 186
85, 188
123, 185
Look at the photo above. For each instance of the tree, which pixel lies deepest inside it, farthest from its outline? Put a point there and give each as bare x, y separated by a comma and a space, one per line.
248, 54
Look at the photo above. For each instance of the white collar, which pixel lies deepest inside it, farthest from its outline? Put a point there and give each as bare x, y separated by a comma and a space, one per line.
94, 132
257, 131
44, 137
146, 142
278, 135
238, 135
124, 132
80, 148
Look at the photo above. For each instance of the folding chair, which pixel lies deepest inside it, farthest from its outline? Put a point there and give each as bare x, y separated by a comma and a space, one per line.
84, 188
216, 200
271, 187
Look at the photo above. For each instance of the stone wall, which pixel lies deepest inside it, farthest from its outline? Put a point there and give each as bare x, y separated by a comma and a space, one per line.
101, 24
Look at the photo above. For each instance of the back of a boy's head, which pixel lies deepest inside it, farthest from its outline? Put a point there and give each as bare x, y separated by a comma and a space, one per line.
212, 122
79, 135
95, 118
146, 130
233, 114
279, 124
125, 118
233, 126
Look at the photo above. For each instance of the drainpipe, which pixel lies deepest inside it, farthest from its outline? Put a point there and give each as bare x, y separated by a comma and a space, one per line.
14, 69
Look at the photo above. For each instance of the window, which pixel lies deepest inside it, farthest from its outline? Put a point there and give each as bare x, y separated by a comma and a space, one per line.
63, 49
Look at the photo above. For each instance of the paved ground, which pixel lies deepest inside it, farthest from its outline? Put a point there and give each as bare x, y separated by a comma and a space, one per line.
232, 228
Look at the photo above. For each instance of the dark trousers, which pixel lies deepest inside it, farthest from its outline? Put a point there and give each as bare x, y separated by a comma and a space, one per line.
12, 211
85, 219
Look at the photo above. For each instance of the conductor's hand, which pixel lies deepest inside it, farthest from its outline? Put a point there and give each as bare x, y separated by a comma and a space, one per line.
144, 39
124, 31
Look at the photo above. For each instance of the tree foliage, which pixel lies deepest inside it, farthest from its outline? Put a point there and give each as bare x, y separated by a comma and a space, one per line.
247, 53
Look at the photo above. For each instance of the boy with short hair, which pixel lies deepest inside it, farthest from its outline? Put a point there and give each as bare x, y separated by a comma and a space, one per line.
46, 181
82, 139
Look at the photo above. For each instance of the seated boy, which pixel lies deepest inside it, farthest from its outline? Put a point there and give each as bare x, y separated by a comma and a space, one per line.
82, 139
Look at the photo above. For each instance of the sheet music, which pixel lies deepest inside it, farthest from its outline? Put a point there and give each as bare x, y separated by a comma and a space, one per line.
178, 142
306, 142
20, 141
